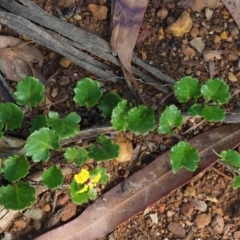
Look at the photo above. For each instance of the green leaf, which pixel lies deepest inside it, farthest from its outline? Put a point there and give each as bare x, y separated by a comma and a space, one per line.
87, 92
118, 118
1, 132
103, 172
39, 144
195, 110
18, 196
170, 118
231, 157
78, 198
216, 90
38, 123
11, 116
29, 91
78, 155
53, 177
236, 182
15, 168
187, 88
140, 120
92, 194
1, 169
213, 113
65, 127
108, 103
103, 149
183, 155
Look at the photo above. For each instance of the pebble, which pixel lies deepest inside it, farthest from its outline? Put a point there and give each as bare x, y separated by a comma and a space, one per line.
99, 12
64, 80
236, 234
64, 62
208, 13
20, 224
187, 209
230, 55
154, 218
155, 3
232, 77
198, 44
217, 28
176, 229
161, 207
162, 13
170, 213
194, 32
198, 204
188, 51
223, 35
217, 224
203, 220
190, 191
216, 38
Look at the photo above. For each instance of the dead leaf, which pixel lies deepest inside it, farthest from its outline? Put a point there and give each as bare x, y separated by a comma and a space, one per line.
17, 58
144, 188
211, 54
188, 51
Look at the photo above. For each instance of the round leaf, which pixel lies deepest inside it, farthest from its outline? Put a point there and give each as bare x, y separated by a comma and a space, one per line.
195, 110
38, 123
11, 116
53, 177
78, 155
104, 149
140, 120
87, 92
216, 90
170, 118
236, 182
187, 88
212, 113
103, 172
108, 103
29, 91
18, 196
231, 157
92, 194
15, 168
39, 144
183, 155
78, 198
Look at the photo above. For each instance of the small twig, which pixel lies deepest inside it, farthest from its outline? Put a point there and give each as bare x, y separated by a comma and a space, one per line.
54, 201
230, 168
222, 174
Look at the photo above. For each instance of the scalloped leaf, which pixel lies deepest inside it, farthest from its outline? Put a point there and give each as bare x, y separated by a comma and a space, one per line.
39, 122
87, 92
18, 196
236, 181
39, 144
29, 91
108, 103
187, 88
65, 127
78, 155
15, 168
1, 132
216, 90
213, 113
140, 120
53, 177
103, 172
92, 194
169, 119
231, 157
11, 116
195, 110
118, 118
103, 149
183, 155
78, 198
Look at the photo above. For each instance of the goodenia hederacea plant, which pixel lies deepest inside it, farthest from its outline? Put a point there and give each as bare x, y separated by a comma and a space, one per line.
39, 144
108, 102
65, 127
87, 92
230, 157
183, 155
169, 119
103, 149
216, 90
76, 154
1, 132
236, 181
187, 88
17, 196
53, 177
15, 168
29, 91
38, 123
11, 116
140, 120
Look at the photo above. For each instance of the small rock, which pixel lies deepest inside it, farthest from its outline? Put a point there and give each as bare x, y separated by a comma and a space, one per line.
37, 225
181, 26
202, 31
234, 31
194, 32
212, 54
232, 77
98, 11
144, 56
176, 229
198, 44
33, 213
161, 207
188, 51
208, 13
170, 213
64, 62
218, 211
64, 80
155, 3
162, 13
187, 209
198, 204
230, 55
77, 16
54, 92
154, 218
190, 191
223, 35
216, 38
46, 208
20, 224
203, 220
236, 234
217, 224
160, 33
69, 211
226, 229
217, 28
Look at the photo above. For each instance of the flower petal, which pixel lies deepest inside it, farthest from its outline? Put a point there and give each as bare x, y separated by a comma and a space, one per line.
85, 188
82, 177
97, 178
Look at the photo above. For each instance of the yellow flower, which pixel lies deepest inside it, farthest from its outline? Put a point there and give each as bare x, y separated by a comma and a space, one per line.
84, 178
